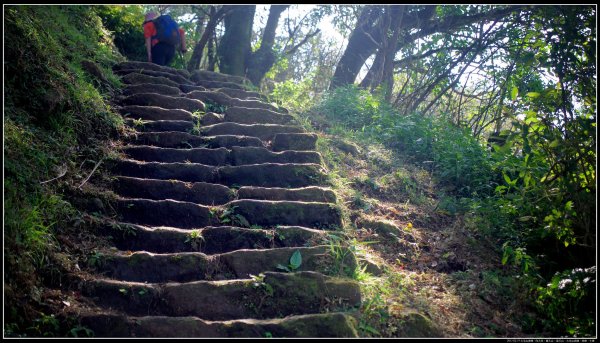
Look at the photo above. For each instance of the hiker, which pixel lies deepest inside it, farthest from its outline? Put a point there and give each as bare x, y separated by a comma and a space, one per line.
160, 33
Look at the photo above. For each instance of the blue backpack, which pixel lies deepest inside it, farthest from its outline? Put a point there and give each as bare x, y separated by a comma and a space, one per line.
167, 30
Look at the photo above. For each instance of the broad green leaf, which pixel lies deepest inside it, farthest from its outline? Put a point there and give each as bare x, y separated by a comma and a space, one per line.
296, 260
533, 95
514, 92
555, 143
507, 179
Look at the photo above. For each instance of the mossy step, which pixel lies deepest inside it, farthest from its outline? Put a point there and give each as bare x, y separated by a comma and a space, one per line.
225, 100
313, 193
146, 153
321, 325
245, 212
155, 113
164, 101
207, 75
268, 213
177, 139
289, 175
150, 66
241, 94
218, 84
274, 295
138, 78
174, 213
294, 141
196, 192
143, 266
188, 172
151, 88
173, 77
263, 131
256, 155
244, 115
160, 125
219, 156
209, 240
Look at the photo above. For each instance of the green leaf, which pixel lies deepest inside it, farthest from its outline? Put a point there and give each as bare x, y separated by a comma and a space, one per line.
295, 260
514, 92
533, 95
555, 143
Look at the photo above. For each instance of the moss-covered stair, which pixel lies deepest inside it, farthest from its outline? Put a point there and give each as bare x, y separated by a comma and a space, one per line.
211, 211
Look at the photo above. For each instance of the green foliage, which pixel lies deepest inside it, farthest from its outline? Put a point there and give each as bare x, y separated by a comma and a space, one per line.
297, 96
56, 116
125, 24
569, 300
295, 262
455, 157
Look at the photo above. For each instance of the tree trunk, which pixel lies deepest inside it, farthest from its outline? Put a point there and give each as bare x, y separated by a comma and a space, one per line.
363, 42
211, 53
261, 61
214, 18
234, 47
367, 38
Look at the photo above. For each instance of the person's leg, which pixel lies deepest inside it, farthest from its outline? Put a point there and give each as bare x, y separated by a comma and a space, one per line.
169, 54
158, 54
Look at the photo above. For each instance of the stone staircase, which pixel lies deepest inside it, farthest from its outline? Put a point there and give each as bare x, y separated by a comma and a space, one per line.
210, 213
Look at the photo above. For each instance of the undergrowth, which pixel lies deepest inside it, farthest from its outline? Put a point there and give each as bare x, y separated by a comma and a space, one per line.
58, 78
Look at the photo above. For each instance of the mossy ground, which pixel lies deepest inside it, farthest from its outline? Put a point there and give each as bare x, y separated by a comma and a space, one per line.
57, 122
440, 277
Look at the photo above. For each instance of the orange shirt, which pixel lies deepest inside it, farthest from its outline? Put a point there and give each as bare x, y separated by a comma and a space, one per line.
150, 30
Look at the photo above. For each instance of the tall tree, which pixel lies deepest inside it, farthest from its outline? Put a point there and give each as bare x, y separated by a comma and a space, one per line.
234, 48
417, 22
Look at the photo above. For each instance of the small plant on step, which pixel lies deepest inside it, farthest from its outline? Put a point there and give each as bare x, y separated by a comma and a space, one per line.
229, 216
195, 239
295, 262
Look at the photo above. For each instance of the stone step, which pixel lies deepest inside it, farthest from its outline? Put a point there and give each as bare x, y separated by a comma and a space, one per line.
243, 115
137, 78
274, 295
207, 75
294, 141
164, 101
151, 88
146, 153
226, 100
219, 156
177, 139
160, 125
244, 212
173, 213
271, 213
241, 94
173, 77
142, 266
257, 155
188, 172
155, 113
288, 175
209, 240
333, 324
262, 131
191, 88
219, 84
151, 66
196, 192
317, 194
